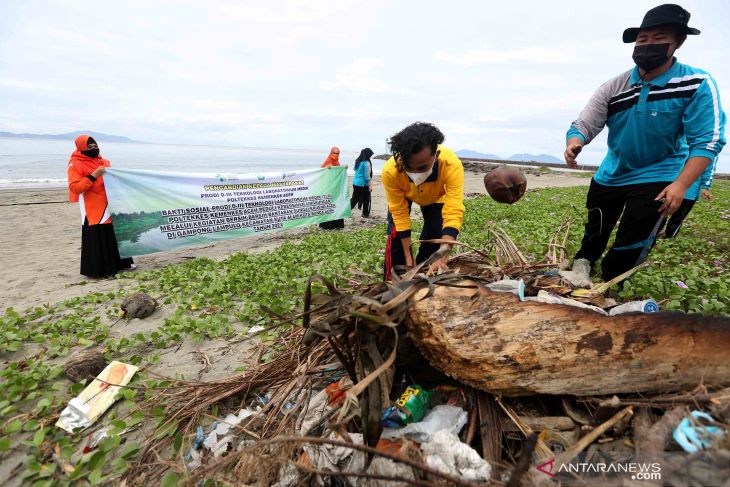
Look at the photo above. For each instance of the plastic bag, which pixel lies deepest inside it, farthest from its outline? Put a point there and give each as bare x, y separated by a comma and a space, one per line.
693, 435
440, 418
448, 454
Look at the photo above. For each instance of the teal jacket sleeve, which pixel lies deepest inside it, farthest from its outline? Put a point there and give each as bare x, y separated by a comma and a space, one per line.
704, 121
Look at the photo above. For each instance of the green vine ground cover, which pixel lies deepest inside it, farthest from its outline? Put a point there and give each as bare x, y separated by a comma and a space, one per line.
212, 299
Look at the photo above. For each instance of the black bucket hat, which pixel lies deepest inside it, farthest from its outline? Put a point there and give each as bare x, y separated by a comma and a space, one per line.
667, 14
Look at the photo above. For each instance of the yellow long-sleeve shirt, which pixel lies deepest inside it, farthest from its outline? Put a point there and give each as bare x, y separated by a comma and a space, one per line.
445, 185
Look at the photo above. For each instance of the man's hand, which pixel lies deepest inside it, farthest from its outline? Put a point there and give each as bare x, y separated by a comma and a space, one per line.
98, 171
572, 149
441, 264
674, 193
706, 195
673, 196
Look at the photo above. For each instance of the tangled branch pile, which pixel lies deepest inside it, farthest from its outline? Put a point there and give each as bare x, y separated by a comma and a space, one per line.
536, 377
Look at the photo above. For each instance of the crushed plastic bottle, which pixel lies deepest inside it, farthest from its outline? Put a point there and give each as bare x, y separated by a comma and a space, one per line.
646, 306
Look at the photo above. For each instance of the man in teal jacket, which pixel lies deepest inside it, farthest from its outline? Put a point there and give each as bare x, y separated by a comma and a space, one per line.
665, 126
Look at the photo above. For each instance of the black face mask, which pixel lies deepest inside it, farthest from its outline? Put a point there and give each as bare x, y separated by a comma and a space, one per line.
650, 56
91, 152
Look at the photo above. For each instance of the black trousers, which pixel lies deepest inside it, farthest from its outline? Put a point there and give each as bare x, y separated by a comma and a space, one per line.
332, 225
432, 229
361, 198
675, 221
99, 251
636, 235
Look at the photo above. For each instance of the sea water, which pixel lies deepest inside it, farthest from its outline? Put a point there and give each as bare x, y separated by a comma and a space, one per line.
40, 162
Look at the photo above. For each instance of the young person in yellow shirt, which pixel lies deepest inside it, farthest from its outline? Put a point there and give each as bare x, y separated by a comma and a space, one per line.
424, 172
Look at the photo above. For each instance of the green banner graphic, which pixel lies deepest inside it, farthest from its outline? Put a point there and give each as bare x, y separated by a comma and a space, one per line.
155, 211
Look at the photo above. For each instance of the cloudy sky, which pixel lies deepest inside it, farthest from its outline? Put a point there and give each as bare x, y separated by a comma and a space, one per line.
498, 77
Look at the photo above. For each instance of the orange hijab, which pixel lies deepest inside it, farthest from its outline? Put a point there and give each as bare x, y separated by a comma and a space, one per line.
85, 165
332, 161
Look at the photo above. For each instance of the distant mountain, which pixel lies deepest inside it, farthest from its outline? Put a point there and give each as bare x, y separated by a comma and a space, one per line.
547, 158
476, 155
70, 136
536, 158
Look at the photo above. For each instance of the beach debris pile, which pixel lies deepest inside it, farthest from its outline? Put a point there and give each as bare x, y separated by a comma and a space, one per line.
448, 379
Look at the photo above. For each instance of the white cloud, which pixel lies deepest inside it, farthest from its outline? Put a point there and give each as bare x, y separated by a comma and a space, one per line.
495, 55
496, 77
360, 75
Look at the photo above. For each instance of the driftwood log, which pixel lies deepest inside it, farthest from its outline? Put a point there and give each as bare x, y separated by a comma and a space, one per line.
494, 342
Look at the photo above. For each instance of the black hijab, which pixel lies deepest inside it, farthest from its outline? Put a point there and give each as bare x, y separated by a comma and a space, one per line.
365, 155
91, 152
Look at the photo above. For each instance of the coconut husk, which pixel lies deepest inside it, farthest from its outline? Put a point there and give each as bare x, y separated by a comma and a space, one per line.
84, 364
139, 305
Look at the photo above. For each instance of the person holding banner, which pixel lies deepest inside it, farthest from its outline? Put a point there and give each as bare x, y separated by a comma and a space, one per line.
424, 172
99, 251
362, 185
332, 160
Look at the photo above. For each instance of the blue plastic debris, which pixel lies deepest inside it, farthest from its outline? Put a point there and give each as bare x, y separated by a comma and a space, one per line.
693, 436
199, 438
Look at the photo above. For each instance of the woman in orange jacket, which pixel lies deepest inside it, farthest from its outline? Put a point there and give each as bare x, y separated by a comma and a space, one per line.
332, 160
99, 251
424, 172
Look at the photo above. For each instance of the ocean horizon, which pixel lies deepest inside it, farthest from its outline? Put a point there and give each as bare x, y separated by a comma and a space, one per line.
38, 163
32, 163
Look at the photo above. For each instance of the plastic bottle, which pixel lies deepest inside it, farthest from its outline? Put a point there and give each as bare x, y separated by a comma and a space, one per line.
646, 306
509, 286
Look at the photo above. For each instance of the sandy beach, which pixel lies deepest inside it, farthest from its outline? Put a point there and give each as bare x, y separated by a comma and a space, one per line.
40, 246
40, 241
39, 264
